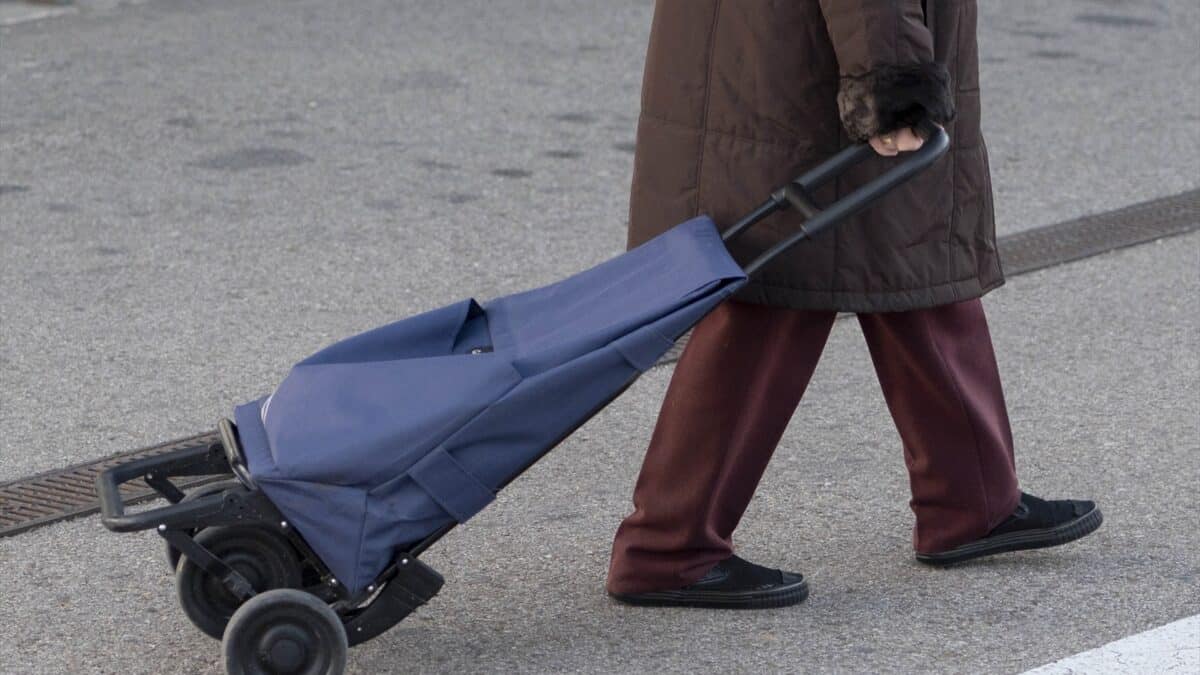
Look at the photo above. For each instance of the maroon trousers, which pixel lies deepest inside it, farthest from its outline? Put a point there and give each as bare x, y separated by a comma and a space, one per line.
735, 389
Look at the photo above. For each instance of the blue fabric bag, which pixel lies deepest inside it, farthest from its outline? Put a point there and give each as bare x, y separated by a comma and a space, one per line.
376, 442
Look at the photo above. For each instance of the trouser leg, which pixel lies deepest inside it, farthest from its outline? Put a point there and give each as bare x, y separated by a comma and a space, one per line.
938, 372
730, 398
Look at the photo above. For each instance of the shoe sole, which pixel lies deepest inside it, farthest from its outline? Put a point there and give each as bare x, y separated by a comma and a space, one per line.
781, 596
1018, 541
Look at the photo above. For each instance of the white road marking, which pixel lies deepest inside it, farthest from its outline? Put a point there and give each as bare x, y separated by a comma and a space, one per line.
1173, 648
13, 13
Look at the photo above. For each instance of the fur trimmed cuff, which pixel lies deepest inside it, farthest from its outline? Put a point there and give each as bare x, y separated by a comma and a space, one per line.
893, 97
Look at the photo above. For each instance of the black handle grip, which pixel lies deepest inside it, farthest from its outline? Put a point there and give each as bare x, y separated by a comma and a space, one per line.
107, 489
797, 194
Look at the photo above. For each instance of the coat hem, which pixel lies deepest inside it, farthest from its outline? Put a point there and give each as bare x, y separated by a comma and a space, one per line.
866, 302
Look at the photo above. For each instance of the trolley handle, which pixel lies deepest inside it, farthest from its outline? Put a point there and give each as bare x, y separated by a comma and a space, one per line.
798, 193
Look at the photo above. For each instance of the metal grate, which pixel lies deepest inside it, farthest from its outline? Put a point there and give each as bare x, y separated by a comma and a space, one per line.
1100, 233
1080, 238
56, 495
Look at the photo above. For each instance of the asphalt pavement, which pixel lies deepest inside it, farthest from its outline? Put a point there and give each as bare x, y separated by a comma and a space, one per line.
193, 195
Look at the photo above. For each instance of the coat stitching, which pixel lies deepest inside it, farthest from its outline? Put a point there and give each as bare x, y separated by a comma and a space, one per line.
712, 39
655, 119
910, 289
651, 117
869, 302
953, 159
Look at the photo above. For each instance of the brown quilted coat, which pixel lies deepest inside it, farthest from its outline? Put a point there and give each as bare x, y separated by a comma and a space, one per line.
739, 96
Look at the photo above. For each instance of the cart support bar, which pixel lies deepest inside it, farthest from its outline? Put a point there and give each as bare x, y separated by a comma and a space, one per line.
192, 461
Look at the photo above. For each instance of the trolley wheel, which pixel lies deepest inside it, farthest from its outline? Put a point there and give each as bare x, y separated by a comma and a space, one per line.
284, 631
263, 557
202, 491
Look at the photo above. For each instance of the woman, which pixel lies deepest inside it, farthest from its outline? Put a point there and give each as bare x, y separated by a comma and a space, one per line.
739, 96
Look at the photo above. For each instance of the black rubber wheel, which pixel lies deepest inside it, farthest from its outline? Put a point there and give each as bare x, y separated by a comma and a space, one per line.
284, 631
263, 557
211, 488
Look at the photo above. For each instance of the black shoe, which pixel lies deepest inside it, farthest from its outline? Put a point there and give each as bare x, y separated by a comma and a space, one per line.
732, 584
1036, 523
